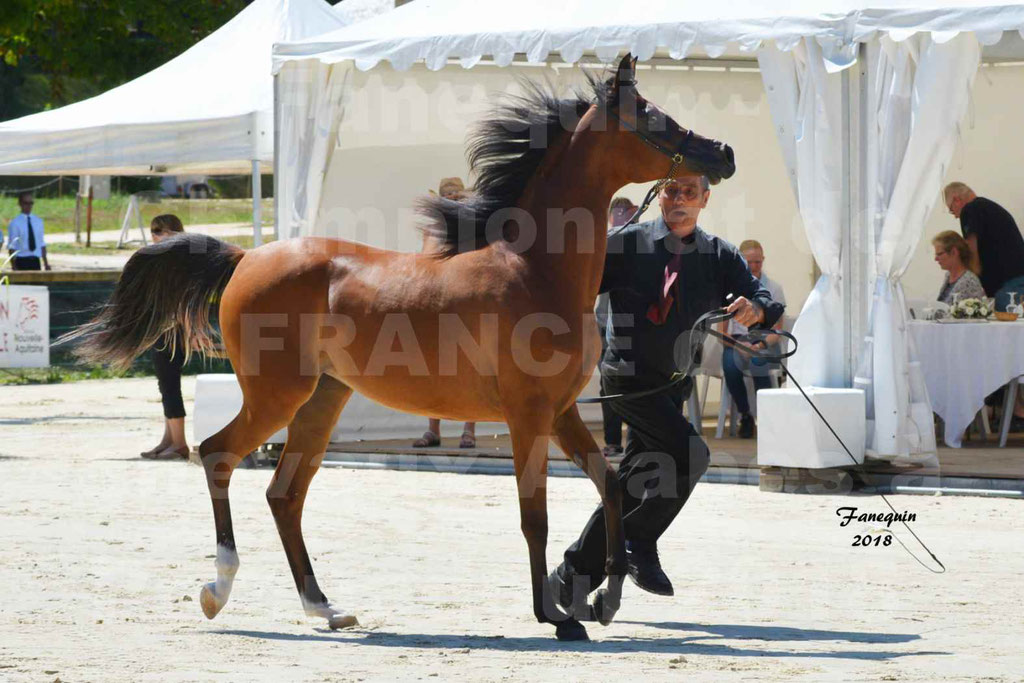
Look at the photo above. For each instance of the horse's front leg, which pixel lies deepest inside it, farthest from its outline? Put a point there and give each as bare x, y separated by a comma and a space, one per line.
578, 444
530, 436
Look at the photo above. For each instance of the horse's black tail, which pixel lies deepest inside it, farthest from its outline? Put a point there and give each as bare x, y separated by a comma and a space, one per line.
166, 287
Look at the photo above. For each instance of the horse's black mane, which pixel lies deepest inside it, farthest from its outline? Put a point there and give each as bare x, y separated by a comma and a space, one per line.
504, 152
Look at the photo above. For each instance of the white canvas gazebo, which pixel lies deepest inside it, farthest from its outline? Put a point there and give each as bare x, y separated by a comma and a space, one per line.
866, 99
209, 110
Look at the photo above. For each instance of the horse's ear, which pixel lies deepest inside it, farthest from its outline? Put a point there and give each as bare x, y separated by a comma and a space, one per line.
625, 75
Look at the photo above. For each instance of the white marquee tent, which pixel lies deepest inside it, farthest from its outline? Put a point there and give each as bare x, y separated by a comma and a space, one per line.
209, 110
866, 97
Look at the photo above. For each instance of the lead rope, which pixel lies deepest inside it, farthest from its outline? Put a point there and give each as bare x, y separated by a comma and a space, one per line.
702, 327
880, 494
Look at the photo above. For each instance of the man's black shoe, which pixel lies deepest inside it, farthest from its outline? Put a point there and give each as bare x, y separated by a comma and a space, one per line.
645, 569
747, 426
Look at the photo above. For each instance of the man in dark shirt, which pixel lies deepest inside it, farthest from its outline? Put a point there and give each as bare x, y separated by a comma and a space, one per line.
661, 276
992, 234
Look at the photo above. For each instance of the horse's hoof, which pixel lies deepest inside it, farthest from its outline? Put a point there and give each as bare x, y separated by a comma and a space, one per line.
603, 610
570, 629
209, 602
338, 621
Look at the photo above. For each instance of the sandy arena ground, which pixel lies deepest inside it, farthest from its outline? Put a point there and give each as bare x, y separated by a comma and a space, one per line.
102, 556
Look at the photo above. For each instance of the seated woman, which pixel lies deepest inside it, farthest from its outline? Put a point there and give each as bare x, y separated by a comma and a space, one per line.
954, 256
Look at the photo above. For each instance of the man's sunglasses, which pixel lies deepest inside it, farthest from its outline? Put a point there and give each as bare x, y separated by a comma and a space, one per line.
689, 193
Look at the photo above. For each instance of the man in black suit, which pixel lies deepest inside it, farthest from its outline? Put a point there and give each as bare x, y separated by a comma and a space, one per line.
661, 276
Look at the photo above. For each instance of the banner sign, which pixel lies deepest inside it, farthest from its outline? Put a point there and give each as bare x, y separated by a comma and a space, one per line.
24, 326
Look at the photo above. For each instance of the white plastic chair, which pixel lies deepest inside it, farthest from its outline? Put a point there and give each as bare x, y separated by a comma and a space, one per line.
1008, 405
710, 366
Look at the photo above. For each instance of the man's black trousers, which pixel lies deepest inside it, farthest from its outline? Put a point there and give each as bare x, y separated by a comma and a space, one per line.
664, 459
26, 263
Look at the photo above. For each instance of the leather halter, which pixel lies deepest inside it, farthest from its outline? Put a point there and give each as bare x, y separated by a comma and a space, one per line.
677, 157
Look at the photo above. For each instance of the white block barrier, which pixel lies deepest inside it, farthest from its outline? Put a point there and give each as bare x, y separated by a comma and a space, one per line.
790, 433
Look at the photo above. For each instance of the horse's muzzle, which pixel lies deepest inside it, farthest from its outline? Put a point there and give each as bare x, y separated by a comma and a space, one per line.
724, 166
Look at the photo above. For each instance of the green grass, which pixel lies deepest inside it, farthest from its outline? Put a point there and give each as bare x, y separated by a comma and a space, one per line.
66, 369
111, 249
58, 375
59, 213
97, 249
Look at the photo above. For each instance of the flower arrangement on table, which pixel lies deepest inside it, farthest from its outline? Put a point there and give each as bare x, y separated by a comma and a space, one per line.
971, 309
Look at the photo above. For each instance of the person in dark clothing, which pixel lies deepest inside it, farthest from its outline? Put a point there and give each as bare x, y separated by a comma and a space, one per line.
661, 276
168, 358
993, 235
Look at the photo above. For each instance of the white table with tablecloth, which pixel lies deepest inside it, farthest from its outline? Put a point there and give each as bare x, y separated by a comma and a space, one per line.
962, 363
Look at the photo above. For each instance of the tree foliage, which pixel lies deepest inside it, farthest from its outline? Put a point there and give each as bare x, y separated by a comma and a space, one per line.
80, 48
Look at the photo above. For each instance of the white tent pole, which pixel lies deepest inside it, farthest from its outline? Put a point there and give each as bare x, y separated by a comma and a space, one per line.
257, 186
854, 260
862, 238
275, 113
257, 214
846, 250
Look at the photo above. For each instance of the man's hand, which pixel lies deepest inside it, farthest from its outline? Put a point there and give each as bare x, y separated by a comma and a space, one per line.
747, 313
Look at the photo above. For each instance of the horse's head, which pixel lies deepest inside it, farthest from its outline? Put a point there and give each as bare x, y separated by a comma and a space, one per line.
652, 142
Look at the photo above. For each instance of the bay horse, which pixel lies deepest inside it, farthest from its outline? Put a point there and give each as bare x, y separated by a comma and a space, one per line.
495, 324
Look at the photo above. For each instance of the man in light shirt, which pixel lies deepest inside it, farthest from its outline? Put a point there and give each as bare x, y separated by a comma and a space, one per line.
735, 365
25, 239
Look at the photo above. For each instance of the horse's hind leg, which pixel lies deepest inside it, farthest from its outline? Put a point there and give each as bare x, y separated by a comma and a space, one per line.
263, 412
578, 444
308, 435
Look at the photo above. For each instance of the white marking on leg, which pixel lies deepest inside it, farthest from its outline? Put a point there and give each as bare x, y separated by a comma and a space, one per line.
227, 567
215, 595
336, 618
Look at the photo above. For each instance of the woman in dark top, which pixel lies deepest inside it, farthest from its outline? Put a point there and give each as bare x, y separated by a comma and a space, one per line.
168, 357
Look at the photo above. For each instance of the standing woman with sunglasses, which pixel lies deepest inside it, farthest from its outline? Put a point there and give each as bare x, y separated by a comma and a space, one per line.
168, 358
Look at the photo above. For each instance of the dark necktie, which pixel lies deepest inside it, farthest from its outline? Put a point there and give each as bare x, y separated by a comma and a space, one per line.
31, 234
657, 312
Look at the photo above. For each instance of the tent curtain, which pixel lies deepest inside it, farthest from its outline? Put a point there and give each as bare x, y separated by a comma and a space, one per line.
310, 107
918, 90
806, 107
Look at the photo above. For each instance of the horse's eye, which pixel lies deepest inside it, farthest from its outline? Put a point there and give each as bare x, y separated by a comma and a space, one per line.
655, 119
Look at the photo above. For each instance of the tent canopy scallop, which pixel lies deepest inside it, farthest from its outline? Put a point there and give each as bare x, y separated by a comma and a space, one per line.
438, 30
